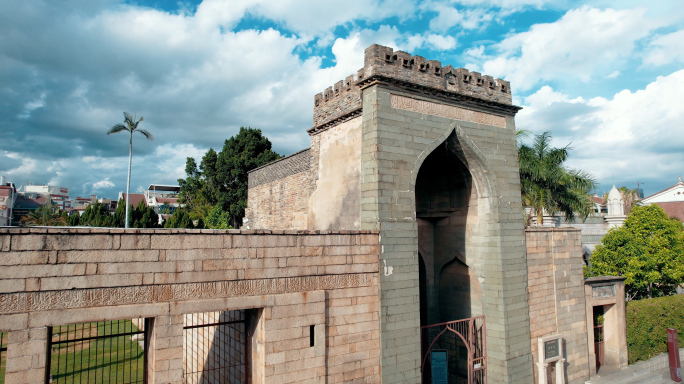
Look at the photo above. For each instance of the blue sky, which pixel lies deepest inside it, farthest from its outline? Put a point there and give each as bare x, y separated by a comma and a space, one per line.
604, 75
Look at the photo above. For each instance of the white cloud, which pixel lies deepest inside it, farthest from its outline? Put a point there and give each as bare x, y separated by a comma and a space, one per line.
440, 42
632, 136
102, 184
308, 17
449, 17
666, 49
583, 42
32, 105
613, 74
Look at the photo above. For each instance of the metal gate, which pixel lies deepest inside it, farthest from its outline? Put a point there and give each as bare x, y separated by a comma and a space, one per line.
216, 346
599, 345
98, 352
465, 343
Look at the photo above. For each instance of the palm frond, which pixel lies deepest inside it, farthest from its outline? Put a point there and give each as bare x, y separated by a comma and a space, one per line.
117, 128
145, 133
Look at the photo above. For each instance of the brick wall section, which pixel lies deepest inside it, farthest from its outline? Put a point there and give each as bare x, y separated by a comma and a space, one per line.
281, 204
289, 165
556, 295
76, 261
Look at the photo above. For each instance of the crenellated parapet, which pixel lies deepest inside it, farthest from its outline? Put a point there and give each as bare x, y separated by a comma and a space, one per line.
341, 99
403, 70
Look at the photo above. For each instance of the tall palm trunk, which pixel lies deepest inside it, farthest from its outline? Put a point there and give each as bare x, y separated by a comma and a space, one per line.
128, 181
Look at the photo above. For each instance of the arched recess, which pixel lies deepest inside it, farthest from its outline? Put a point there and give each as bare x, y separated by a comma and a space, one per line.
454, 198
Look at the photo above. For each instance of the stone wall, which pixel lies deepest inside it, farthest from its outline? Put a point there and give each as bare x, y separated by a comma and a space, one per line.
294, 279
279, 193
557, 297
335, 201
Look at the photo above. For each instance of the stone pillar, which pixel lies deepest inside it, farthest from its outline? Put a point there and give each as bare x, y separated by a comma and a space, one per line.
165, 360
26, 356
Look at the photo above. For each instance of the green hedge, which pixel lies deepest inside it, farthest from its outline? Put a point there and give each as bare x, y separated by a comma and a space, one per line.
647, 321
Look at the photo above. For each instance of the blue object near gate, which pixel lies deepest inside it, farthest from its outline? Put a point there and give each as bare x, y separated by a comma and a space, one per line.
440, 368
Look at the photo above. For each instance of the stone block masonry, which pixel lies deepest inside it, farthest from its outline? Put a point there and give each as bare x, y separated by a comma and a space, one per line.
294, 279
557, 296
383, 63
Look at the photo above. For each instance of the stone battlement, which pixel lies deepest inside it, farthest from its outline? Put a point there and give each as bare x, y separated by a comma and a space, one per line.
383, 63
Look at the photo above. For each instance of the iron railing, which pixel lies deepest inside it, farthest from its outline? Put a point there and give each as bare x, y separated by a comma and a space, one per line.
98, 352
465, 341
216, 346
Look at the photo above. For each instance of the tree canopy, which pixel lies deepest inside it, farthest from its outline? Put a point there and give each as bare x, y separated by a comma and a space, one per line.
221, 178
648, 250
547, 185
47, 215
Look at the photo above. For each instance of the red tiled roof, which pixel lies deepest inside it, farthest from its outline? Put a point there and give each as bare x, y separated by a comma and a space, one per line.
673, 209
136, 198
598, 200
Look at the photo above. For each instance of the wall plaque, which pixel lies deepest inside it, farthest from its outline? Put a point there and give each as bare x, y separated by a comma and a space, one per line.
603, 290
551, 349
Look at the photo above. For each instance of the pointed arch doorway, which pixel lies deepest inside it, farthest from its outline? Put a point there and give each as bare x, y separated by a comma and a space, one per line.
452, 320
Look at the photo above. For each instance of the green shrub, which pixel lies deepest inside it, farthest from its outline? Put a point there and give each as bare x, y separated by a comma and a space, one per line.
647, 321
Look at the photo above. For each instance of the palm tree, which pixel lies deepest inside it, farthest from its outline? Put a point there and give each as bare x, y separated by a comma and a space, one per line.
46, 215
547, 185
131, 125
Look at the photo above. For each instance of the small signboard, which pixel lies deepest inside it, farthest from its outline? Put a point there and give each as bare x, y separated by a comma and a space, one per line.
551, 349
673, 352
440, 366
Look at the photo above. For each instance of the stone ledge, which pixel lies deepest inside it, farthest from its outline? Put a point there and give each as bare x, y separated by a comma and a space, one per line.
170, 231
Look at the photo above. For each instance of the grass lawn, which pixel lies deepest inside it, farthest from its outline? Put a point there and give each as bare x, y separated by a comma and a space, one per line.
3, 357
114, 359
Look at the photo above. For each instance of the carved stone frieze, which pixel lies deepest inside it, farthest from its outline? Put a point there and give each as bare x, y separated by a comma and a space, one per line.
102, 297
447, 111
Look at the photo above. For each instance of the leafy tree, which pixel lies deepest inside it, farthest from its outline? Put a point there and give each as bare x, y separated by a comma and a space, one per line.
221, 178
218, 218
648, 250
130, 125
73, 219
96, 215
144, 217
547, 185
119, 217
47, 215
179, 219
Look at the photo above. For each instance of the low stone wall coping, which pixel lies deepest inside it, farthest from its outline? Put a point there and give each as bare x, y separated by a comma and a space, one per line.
603, 279
170, 231
552, 229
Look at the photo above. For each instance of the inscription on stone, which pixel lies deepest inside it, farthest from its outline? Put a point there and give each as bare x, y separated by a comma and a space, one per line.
447, 111
100, 297
551, 349
603, 291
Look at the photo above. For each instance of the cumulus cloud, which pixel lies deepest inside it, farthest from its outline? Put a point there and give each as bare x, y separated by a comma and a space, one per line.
666, 49
102, 184
584, 42
449, 17
633, 136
